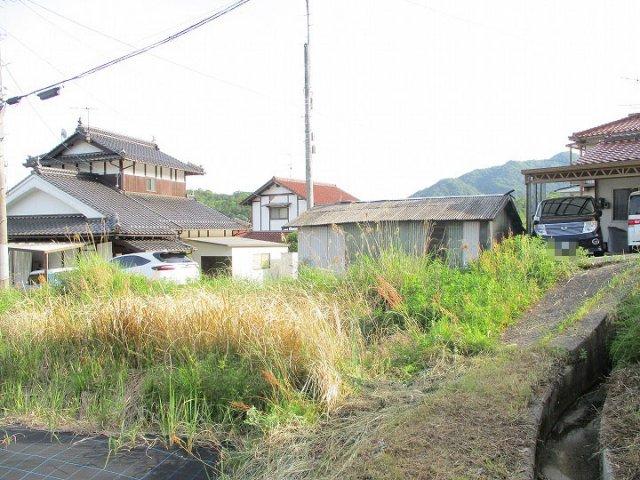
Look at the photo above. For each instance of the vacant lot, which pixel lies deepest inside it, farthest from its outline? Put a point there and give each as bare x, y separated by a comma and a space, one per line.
231, 361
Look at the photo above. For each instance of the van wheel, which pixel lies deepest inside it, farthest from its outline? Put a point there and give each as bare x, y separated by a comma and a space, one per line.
598, 254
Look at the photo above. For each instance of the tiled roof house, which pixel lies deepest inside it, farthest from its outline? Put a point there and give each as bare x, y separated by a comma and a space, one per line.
281, 200
105, 188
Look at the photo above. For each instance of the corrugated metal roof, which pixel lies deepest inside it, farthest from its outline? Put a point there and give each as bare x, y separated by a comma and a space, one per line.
476, 207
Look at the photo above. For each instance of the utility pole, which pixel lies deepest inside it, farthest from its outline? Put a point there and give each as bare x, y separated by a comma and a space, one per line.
308, 152
4, 239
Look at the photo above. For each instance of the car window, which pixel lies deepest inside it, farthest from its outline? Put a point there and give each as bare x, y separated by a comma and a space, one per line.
634, 205
570, 206
130, 261
169, 257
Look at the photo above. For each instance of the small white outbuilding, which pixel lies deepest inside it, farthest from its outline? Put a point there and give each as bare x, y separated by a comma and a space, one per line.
244, 257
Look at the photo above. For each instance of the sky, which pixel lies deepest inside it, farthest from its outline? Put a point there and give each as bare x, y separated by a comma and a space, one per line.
406, 92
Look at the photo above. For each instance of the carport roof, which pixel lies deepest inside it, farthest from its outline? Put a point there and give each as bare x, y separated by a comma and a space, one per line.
236, 242
46, 247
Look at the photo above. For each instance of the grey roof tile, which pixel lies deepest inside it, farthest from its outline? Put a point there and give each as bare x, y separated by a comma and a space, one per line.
125, 213
129, 148
56, 225
187, 212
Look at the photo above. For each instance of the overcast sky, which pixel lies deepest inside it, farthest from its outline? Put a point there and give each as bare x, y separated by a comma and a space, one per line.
406, 92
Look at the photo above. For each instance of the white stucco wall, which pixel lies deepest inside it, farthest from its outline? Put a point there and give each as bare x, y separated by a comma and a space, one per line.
260, 218
38, 202
243, 265
82, 147
605, 190
242, 258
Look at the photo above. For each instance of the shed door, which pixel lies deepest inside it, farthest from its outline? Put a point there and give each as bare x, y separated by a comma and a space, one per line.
470, 241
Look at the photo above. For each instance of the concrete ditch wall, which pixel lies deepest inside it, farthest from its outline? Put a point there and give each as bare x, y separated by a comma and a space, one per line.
586, 364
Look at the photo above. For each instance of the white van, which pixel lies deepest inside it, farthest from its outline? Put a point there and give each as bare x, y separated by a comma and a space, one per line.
633, 222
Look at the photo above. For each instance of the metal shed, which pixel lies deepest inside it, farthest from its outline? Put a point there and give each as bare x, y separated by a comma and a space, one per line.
332, 236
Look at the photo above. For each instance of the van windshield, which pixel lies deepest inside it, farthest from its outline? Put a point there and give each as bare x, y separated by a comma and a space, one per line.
634, 205
565, 207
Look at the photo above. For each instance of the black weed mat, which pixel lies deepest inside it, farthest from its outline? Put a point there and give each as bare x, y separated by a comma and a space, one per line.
32, 454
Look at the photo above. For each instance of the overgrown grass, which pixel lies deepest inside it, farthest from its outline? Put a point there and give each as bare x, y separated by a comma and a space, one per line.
110, 352
625, 348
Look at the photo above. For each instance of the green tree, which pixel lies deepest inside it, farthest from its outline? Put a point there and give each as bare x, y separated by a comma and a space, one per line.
224, 203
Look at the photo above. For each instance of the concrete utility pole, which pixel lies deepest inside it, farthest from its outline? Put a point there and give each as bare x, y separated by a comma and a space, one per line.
4, 239
308, 152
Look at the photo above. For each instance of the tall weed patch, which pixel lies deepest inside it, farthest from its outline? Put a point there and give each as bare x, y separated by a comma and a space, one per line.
107, 351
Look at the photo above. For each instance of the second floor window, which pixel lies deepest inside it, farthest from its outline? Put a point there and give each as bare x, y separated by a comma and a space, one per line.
279, 213
151, 184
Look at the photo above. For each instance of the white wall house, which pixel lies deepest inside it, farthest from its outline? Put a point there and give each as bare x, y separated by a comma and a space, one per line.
607, 168
281, 200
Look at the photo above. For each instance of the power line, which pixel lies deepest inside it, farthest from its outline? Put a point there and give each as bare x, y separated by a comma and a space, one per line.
54, 67
122, 42
136, 52
40, 117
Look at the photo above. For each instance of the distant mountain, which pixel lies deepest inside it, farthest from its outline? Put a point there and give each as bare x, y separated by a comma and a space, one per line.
227, 204
498, 179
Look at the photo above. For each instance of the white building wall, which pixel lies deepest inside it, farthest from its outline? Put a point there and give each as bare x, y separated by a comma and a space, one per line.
243, 262
264, 212
255, 215
261, 221
38, 202
82, 147
242, 258
605, 190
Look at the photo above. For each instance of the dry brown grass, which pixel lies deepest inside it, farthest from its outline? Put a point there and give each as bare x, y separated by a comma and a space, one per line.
465, 418
297, 338
621, 422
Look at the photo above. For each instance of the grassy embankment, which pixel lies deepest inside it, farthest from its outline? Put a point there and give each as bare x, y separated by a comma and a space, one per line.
224, 359
621, 415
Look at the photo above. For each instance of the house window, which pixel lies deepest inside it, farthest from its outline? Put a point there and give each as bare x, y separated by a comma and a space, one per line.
261, 261
155, 171
279, 213
621, 203
145, 169
151, 184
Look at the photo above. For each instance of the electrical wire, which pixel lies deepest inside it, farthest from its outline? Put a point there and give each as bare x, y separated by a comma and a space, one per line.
54, 67
138, 51
122, 42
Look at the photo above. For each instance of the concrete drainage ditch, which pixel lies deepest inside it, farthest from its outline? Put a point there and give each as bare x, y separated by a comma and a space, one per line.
572, 450
568, 413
